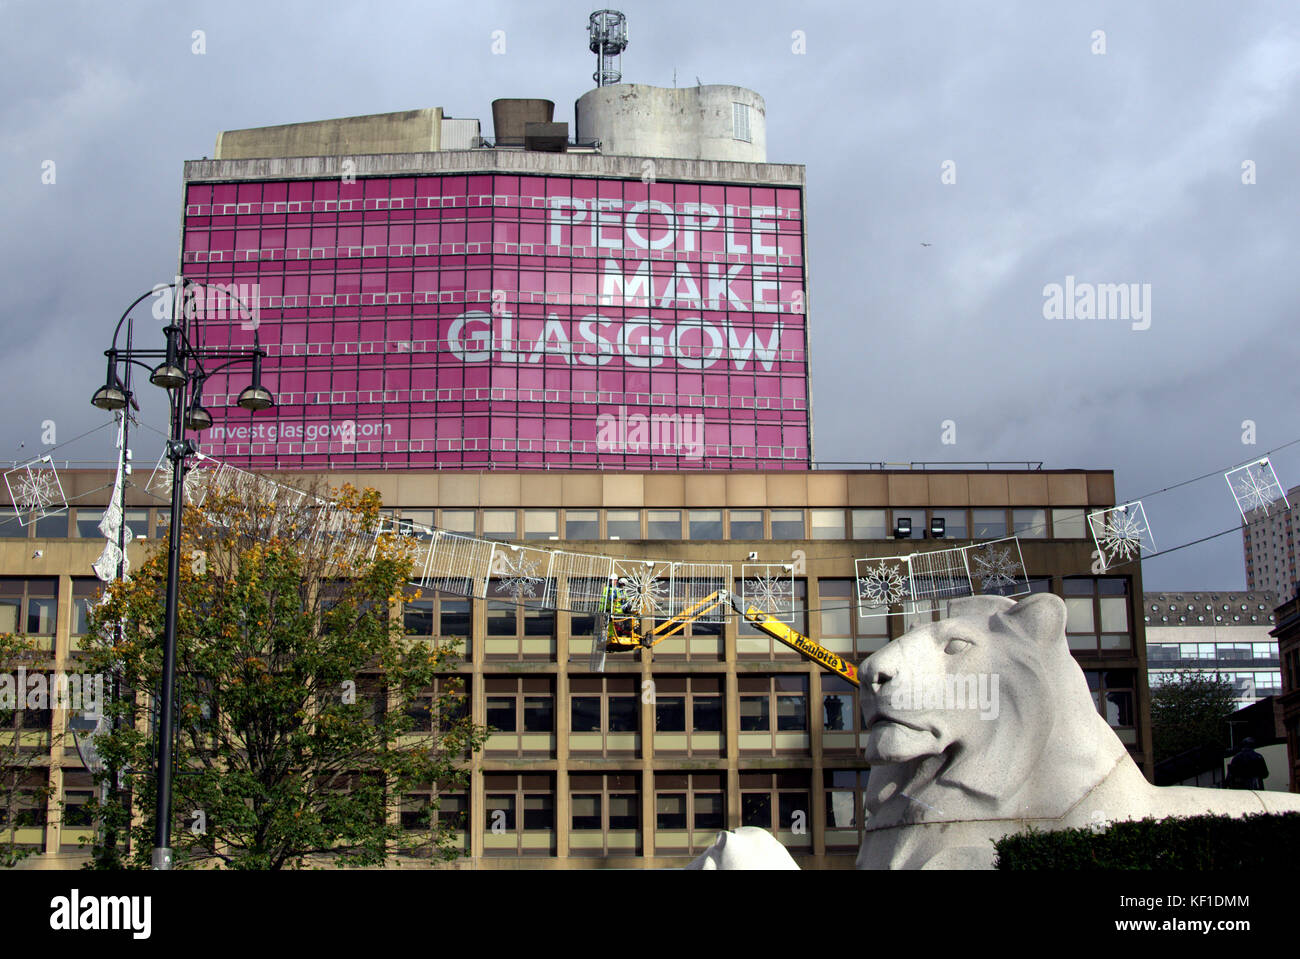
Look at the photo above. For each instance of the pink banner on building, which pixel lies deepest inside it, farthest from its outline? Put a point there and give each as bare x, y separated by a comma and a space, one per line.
513, 321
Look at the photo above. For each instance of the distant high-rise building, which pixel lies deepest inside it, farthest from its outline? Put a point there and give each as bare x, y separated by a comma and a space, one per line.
1270, 547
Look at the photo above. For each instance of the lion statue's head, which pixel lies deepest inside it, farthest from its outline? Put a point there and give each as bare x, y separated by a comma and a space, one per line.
961, 711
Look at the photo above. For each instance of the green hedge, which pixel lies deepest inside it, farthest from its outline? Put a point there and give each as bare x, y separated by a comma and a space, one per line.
1262, 840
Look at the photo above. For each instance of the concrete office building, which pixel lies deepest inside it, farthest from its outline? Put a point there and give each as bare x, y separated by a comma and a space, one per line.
1225, 633
742, 730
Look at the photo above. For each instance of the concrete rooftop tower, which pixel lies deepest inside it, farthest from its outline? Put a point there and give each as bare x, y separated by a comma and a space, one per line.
713, 122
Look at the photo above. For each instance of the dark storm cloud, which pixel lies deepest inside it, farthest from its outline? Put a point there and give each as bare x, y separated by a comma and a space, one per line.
1117, 168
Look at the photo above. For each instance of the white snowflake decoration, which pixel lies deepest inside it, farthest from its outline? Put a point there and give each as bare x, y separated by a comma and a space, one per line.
194, 487
517, 574
769, 592
882, 585
1255, 486
643, 590
769, 587
35, 490
996, 568
1121, 533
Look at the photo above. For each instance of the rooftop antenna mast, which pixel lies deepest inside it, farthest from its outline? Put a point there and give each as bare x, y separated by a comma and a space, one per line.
608, 32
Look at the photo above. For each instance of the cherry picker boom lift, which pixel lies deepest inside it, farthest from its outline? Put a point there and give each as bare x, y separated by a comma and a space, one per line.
620, 631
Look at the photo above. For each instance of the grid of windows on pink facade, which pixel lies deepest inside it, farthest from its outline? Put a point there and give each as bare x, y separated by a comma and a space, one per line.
513, 321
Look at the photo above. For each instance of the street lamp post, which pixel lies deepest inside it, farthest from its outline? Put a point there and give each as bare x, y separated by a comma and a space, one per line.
182, 373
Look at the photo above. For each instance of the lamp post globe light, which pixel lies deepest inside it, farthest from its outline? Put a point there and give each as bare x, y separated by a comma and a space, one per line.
180, 369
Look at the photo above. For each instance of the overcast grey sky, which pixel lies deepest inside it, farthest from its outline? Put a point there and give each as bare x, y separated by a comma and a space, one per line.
1117, 167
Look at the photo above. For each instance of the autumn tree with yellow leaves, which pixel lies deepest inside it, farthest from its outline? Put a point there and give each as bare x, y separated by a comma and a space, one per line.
303, 712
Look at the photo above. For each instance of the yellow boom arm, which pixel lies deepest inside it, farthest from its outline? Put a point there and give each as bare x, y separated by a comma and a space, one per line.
761, 620
797, 641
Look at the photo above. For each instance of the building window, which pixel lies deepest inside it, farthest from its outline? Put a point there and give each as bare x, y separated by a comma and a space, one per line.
779, 803
1114, 694
845, 808
746, 523
29, 788
447, 805
623, 524
500, 524
604, 716
541, 524
457, 521
30, 726
704, 524
690, 811
88, 520
988, 523
1029, 523
442, 616
869, 524
740, 122
606, 811
86, 591
581, 524
840, 717
1097, 614
827, 523
28, 606
787, 524
1070, 523
78, 788
412, 520
515, 631
663, 524
688, 716
843, 631
10, 528
774, 713
51, 527
439, 706
522, 711
519, 815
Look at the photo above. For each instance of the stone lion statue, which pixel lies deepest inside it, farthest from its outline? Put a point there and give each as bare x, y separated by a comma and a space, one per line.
982, 725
